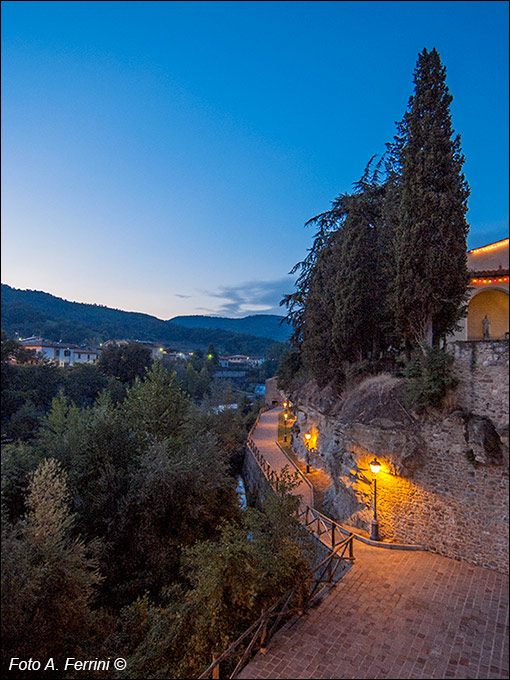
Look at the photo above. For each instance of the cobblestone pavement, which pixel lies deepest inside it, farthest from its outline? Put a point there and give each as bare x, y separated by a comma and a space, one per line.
395, 614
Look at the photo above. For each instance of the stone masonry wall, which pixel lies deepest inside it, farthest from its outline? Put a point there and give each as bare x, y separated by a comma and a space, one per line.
255, 482
482, 369
444, 477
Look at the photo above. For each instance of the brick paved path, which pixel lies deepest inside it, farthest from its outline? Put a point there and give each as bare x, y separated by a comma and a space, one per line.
395, 614
265, 436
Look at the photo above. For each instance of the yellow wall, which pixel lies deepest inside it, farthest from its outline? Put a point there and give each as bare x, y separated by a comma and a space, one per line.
494, 304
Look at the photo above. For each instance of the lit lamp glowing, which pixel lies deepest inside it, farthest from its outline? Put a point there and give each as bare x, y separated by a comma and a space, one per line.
308, 436
375, 466
285, 404
285, 415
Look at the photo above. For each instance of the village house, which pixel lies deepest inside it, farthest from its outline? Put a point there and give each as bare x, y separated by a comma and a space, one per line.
62, 353
237, 360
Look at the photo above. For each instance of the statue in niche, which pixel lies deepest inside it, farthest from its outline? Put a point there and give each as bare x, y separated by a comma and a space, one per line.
486, 325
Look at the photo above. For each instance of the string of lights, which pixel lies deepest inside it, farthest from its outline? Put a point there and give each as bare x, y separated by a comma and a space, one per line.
492, 246
499, 279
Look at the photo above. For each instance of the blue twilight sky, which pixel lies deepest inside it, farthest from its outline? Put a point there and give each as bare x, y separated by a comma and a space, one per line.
163, 157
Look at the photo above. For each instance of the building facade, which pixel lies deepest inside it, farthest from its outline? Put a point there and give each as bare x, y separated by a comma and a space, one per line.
61, 353
487, 314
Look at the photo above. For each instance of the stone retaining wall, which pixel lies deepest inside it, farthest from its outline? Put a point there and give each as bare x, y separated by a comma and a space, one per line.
444, 477
256, 485
482, 369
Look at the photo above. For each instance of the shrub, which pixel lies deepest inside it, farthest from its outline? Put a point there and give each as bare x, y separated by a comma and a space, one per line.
429, 378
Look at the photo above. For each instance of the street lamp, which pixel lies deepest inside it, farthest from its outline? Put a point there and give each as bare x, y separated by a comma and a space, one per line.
285, 415
375, 466
308, 436
285, 404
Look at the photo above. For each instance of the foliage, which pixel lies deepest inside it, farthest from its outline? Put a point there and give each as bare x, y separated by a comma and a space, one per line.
430, 378
48, 577
387, 267
290, 366
18, 462
12, 350
83, 383
431, 259
156, 406
341, 311
28, 389
125, 362
230, 581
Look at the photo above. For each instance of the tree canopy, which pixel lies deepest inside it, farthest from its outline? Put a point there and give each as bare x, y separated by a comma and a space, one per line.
387, 267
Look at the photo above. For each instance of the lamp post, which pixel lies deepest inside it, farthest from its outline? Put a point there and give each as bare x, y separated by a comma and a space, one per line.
285, 415
308, 436
375, 466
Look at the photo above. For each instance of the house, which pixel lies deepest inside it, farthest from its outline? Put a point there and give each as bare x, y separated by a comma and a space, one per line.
174, 354
237, 360
62, 353
488, 294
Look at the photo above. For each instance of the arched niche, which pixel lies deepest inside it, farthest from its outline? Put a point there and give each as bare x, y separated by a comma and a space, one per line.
493, 303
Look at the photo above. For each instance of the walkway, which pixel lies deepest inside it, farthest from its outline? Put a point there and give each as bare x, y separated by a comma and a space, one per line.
395, 614
265, 436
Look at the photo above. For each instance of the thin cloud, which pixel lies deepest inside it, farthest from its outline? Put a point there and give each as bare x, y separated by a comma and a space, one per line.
252, 297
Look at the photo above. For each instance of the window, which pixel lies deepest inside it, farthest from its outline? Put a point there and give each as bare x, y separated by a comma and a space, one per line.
79, 356
57, 352
88, 356
67, 352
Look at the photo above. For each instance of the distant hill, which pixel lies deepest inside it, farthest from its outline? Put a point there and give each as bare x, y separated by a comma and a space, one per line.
33, 312
261, 325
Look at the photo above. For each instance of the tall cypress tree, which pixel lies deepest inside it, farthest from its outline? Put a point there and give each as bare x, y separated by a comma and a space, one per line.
360, 322
431, 266
317, 347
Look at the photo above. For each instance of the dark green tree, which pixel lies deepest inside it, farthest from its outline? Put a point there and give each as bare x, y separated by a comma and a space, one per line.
362, 317
156, 407
211, 359
319, 353
49, 578
125, 362
12, 350
430, 247
84, 383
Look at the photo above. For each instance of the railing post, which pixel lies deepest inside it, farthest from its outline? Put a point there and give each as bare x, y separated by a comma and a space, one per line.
306, 516
351, 551
332, 536
263, 639
216, 669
